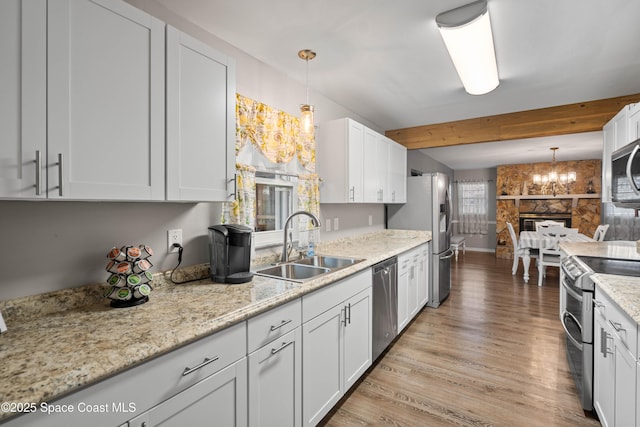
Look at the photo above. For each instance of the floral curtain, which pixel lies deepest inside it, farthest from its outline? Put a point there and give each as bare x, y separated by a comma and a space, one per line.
473, 207
243, 209
308, 197
275, 133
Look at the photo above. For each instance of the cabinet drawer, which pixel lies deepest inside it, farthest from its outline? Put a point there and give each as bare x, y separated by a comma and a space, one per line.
273, 324
625, 327
318, 302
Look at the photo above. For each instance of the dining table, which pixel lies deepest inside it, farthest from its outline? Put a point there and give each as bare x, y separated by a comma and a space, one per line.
531, 240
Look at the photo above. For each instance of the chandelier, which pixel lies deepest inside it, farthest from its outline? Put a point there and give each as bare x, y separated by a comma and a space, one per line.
553, 182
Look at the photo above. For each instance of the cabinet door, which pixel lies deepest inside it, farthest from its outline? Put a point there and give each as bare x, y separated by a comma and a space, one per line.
357, 337
603, 369
275, 382
355, 164
625, 385
397, 173
634, 122
413, 298
609, 134
423, 276
23, 114
403, 292
200, 120
105, 101
371, 167
322, 370
220, 398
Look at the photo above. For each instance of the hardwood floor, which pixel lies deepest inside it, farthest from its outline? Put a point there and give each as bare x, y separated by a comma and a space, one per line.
491, 355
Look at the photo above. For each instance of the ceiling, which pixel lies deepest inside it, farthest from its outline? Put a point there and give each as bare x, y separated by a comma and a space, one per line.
386, 61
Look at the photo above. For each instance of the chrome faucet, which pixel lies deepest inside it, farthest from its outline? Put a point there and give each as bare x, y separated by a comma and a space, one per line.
314, 220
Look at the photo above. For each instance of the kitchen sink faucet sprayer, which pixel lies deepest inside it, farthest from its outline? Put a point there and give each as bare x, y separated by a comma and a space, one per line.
314, 220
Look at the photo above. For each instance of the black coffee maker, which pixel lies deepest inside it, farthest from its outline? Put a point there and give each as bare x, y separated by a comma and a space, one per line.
230, 253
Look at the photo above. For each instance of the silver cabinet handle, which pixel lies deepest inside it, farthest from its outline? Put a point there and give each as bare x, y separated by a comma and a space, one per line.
60, 165
617, 326
347, 317
235, 186
276, 327
352, 193
343, 311
38, 177
604, 336
279, 349
206, 361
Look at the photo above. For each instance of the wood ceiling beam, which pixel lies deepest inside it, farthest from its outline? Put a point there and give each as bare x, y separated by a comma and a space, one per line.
564, 119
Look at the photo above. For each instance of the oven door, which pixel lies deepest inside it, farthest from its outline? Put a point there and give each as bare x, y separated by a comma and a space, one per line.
577, 321
577, 313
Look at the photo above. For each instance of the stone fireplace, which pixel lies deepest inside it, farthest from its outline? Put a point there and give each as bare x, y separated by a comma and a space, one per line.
522, 204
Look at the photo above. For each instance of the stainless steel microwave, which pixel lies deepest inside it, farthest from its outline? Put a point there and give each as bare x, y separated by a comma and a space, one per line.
625, 176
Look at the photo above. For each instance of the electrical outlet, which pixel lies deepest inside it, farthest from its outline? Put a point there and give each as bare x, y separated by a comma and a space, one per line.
336, 224
173, 236
370, 219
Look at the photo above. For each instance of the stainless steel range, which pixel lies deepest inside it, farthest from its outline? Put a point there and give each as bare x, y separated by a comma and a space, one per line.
576, 313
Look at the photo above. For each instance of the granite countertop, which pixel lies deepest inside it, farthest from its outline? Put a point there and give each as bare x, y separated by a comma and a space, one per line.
623, 290
51, 350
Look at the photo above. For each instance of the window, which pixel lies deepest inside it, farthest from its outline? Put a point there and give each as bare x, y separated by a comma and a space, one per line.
275, 200
473, 207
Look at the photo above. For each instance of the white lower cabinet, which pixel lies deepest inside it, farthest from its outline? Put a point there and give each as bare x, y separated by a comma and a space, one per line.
220, 399
423, 275
275, 367
615, 364
336, 343
413, 284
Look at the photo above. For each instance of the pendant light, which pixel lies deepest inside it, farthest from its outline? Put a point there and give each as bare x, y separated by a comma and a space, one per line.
466, 32
306, 110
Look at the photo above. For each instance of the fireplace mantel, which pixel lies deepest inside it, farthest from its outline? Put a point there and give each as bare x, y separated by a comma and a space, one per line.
574, 197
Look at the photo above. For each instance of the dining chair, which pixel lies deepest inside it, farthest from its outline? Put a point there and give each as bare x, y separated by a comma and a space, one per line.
549, 252
548, 223
600, 232
518, 252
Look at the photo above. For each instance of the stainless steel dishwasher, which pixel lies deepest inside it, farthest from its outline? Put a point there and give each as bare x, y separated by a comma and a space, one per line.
385, 304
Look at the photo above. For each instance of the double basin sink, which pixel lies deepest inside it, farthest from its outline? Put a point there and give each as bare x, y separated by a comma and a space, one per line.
307, 268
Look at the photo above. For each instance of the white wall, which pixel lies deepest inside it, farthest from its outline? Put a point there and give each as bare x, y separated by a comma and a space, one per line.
48, 246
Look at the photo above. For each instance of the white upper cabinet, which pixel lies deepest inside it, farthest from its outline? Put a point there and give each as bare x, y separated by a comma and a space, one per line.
200, 133
633, 126
82, 109
339, 161
23, 114
621, 130
359, 165
105, 101
397, 173
375, 166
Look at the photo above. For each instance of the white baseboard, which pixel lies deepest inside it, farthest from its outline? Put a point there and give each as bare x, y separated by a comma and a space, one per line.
479, 250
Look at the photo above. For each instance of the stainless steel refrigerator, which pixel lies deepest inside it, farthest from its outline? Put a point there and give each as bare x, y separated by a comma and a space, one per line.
428, 208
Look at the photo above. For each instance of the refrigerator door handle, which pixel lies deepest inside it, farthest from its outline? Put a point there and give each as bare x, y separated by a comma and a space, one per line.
448, 254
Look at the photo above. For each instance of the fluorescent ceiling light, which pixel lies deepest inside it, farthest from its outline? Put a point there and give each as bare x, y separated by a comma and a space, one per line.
466, 32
